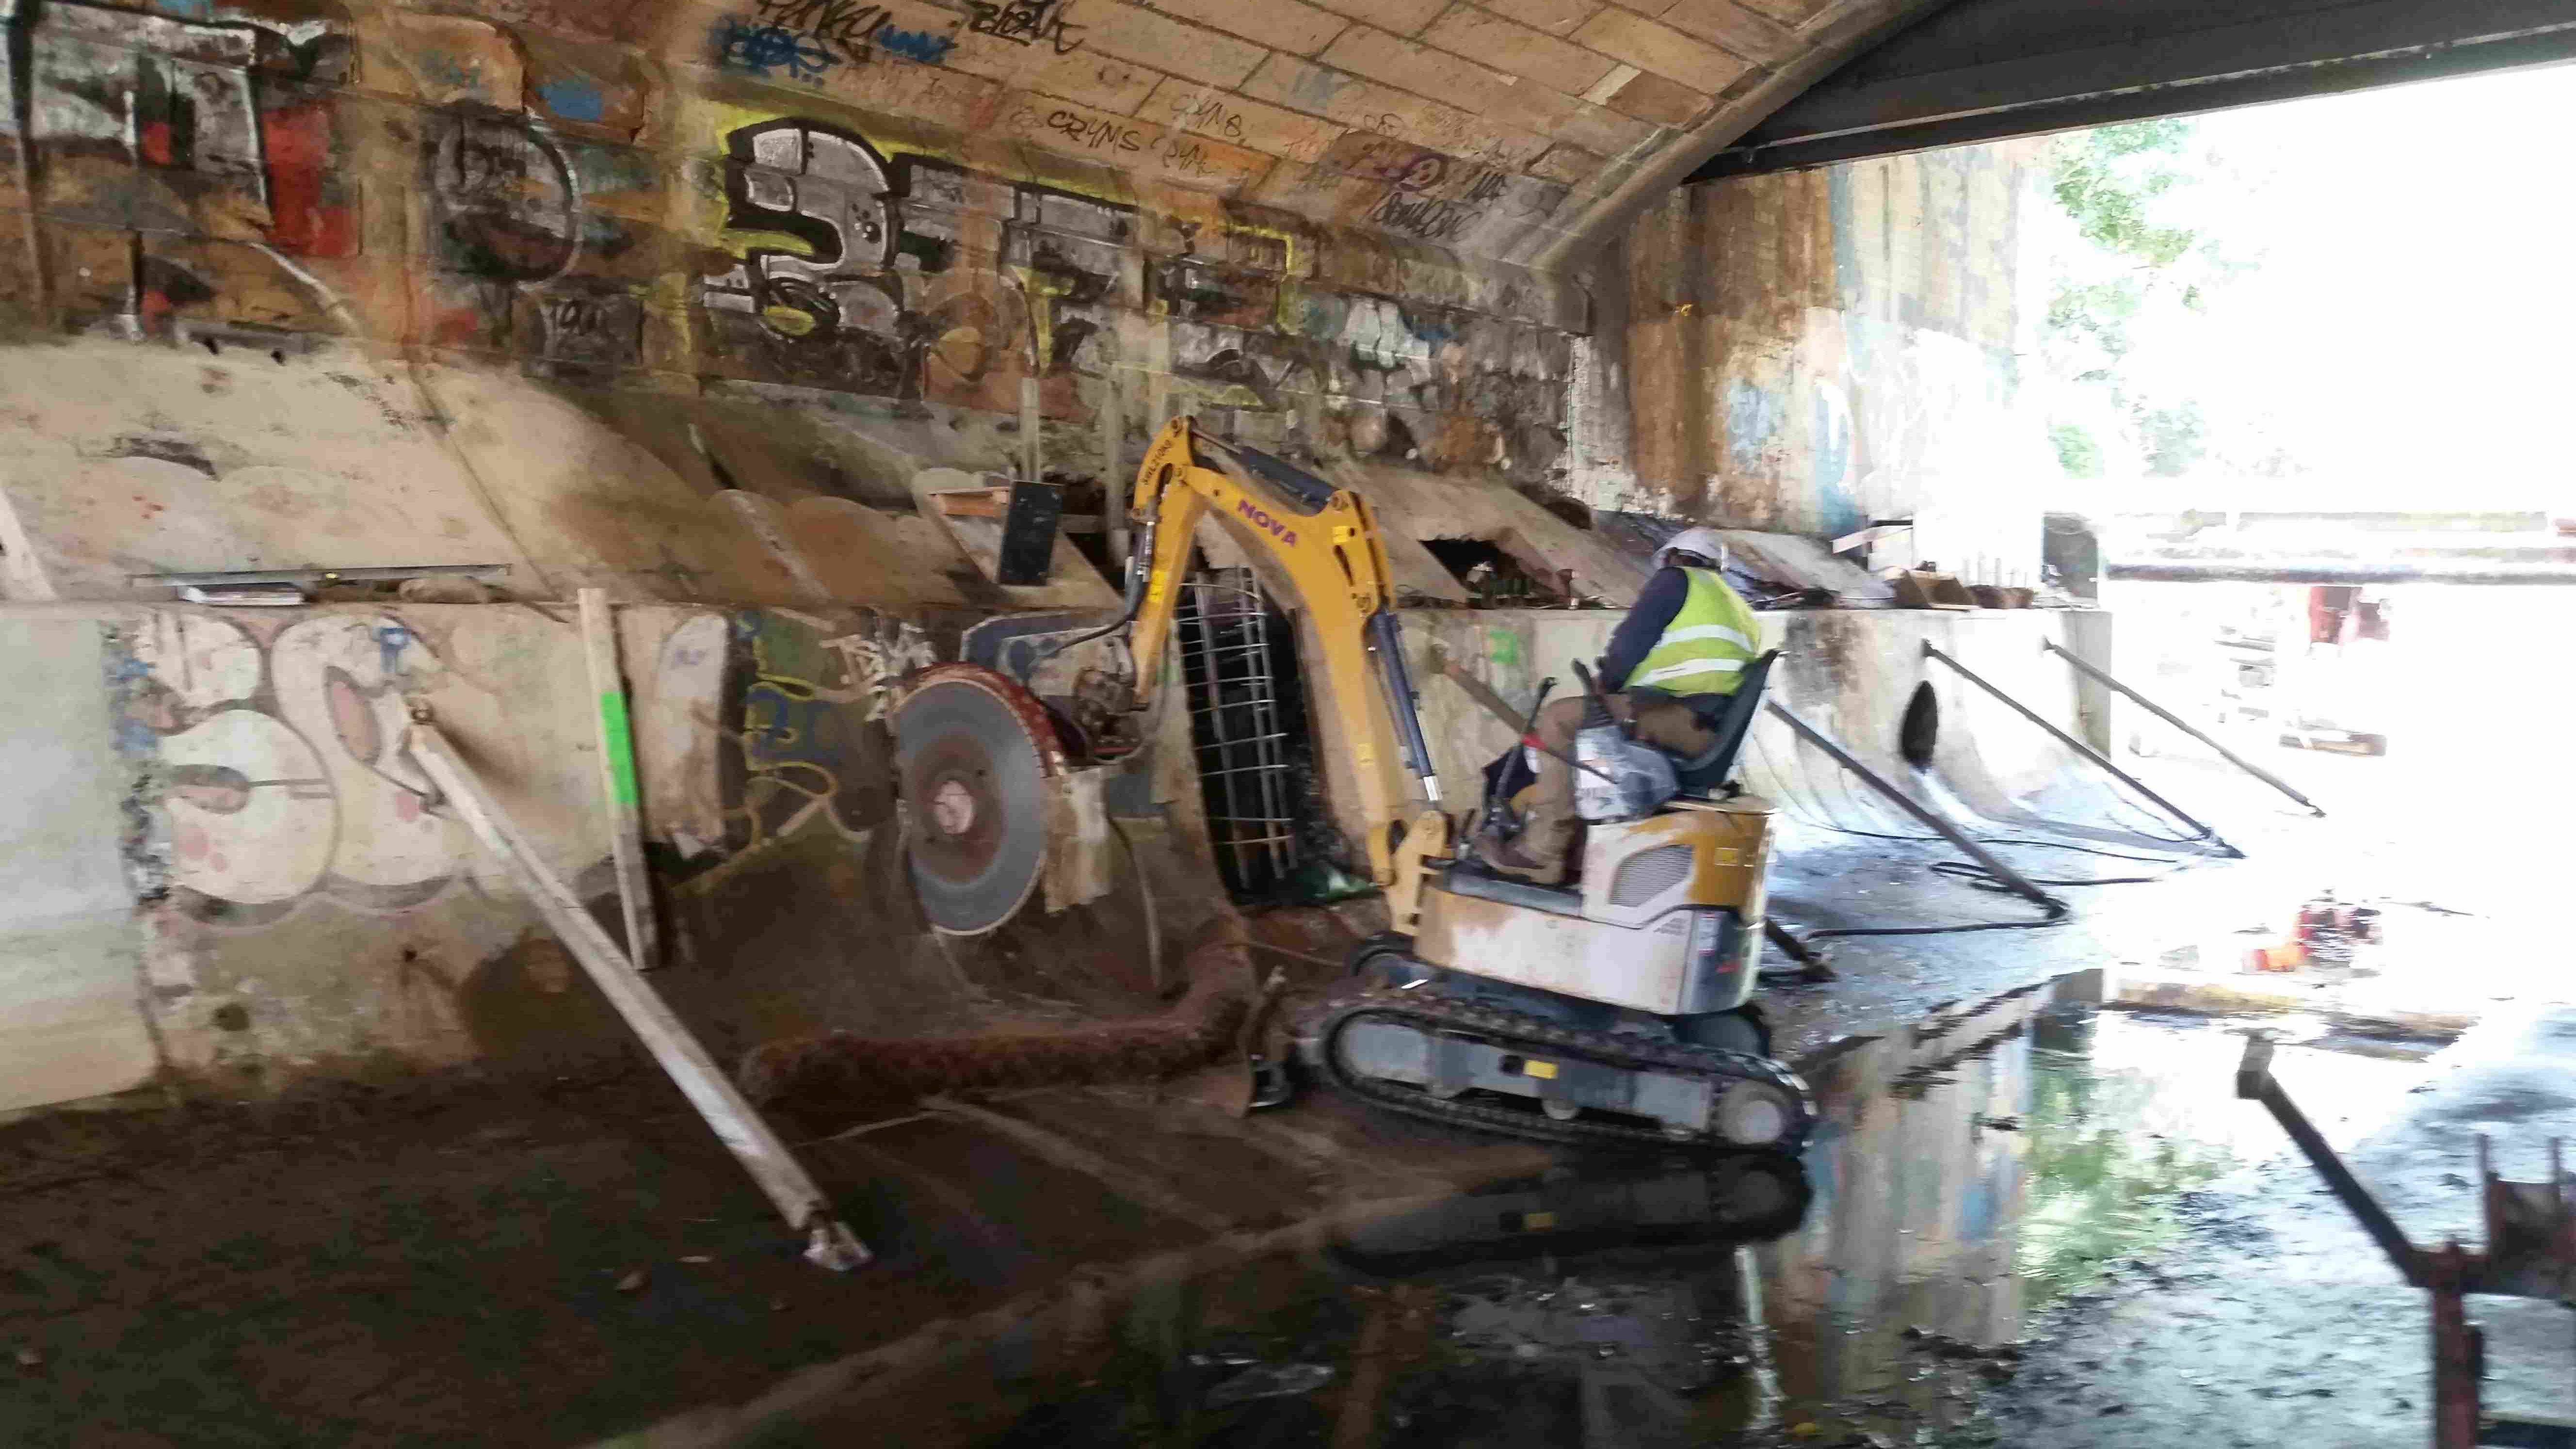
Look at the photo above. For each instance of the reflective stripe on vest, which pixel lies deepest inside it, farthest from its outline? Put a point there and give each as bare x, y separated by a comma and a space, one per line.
1707, 644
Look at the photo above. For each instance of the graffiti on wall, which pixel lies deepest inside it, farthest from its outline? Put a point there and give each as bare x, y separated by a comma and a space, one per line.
505, 205
807, 725
897, 278
279, 765
805, 40
194, 154
180, 129
272, 772
912, 277
877, 658
1857, 418
526, 251
1438, 197
1027, 22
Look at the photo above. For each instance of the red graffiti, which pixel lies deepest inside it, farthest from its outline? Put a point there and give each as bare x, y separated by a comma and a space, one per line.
306, 221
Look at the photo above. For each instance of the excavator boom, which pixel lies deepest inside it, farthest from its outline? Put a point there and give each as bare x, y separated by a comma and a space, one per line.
1324, 541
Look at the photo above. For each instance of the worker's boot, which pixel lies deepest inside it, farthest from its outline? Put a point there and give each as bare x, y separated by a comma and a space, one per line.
1512, 858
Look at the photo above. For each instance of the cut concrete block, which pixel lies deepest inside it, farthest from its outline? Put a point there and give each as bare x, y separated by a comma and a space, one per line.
70, 962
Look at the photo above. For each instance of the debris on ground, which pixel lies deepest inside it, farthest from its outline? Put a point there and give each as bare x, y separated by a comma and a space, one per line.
830, 1082
2326, 932
1942, 1345
1270, 1381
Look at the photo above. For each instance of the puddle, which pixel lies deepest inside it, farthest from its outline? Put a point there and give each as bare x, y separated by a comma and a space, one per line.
1966, 1173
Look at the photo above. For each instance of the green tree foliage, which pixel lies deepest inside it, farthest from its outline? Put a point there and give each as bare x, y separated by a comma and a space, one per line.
2135, 279
2101, 182
2097, 312
2077, 453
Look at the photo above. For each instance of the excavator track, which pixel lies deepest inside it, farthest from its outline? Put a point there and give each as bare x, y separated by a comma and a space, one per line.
1435, 1014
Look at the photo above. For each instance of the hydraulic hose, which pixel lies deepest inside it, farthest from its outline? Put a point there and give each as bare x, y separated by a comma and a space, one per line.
1140, 565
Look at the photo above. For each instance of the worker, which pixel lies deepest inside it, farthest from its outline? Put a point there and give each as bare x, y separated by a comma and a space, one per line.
1688, 635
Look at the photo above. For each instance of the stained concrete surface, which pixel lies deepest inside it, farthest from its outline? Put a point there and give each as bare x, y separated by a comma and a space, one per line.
68, 966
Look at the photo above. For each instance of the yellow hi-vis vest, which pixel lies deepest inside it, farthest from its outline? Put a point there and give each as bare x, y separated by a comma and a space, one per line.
1706, 646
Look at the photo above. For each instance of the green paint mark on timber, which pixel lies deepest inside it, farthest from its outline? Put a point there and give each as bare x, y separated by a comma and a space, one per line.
1503, 647
619, 741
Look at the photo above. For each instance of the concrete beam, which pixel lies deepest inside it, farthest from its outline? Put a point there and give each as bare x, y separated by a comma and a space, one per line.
1984, 70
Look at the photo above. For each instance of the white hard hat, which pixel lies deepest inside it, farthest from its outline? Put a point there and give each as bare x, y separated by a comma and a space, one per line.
1705, 542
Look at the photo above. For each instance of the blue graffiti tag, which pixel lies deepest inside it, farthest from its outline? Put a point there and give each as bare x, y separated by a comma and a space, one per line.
805, 38
575, 98
918, 45
391, 638
762, 49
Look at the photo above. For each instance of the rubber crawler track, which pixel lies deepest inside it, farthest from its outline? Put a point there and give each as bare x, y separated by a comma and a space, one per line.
1436, 1013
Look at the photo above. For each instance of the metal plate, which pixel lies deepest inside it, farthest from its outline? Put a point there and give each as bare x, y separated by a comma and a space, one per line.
975, 758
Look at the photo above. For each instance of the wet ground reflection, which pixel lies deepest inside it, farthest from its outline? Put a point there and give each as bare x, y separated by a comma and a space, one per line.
1966, 1171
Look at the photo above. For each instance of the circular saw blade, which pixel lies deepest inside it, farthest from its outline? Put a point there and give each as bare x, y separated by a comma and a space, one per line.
974, 754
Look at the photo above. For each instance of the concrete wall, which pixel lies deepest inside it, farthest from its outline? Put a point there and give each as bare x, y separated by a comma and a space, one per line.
126, 459
1810, 352
1092, 211
223, 872
937, 228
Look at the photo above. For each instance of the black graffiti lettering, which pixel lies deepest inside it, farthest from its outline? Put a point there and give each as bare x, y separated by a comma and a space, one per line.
1095, 134
1024, 22
504, 198
1427, 217
1188, 156
858, 30
840, 22
1484, 188
591, 328
1422, 173
1208, 115
576, 316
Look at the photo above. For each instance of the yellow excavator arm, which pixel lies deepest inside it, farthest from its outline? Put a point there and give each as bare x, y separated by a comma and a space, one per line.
1325, 540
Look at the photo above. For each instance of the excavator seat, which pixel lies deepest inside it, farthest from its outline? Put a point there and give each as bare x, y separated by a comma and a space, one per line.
1730, 718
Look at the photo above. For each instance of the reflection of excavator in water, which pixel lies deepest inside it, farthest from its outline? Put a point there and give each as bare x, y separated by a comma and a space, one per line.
1612, 1009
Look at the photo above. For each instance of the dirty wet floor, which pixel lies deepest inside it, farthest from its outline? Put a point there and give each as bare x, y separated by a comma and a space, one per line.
1970, 1172
1103, 1266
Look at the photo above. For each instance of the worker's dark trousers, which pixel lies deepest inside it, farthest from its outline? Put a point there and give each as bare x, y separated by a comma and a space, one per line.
1548, 828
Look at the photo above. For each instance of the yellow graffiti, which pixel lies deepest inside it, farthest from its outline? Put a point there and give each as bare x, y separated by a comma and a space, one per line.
793, 321
742, 241
767, 779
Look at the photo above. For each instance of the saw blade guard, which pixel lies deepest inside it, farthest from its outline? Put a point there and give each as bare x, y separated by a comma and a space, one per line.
976, 756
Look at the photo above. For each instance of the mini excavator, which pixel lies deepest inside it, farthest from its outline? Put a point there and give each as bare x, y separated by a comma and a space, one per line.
1615, 1009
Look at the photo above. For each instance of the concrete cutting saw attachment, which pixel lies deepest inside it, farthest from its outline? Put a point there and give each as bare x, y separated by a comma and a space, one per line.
976, 756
